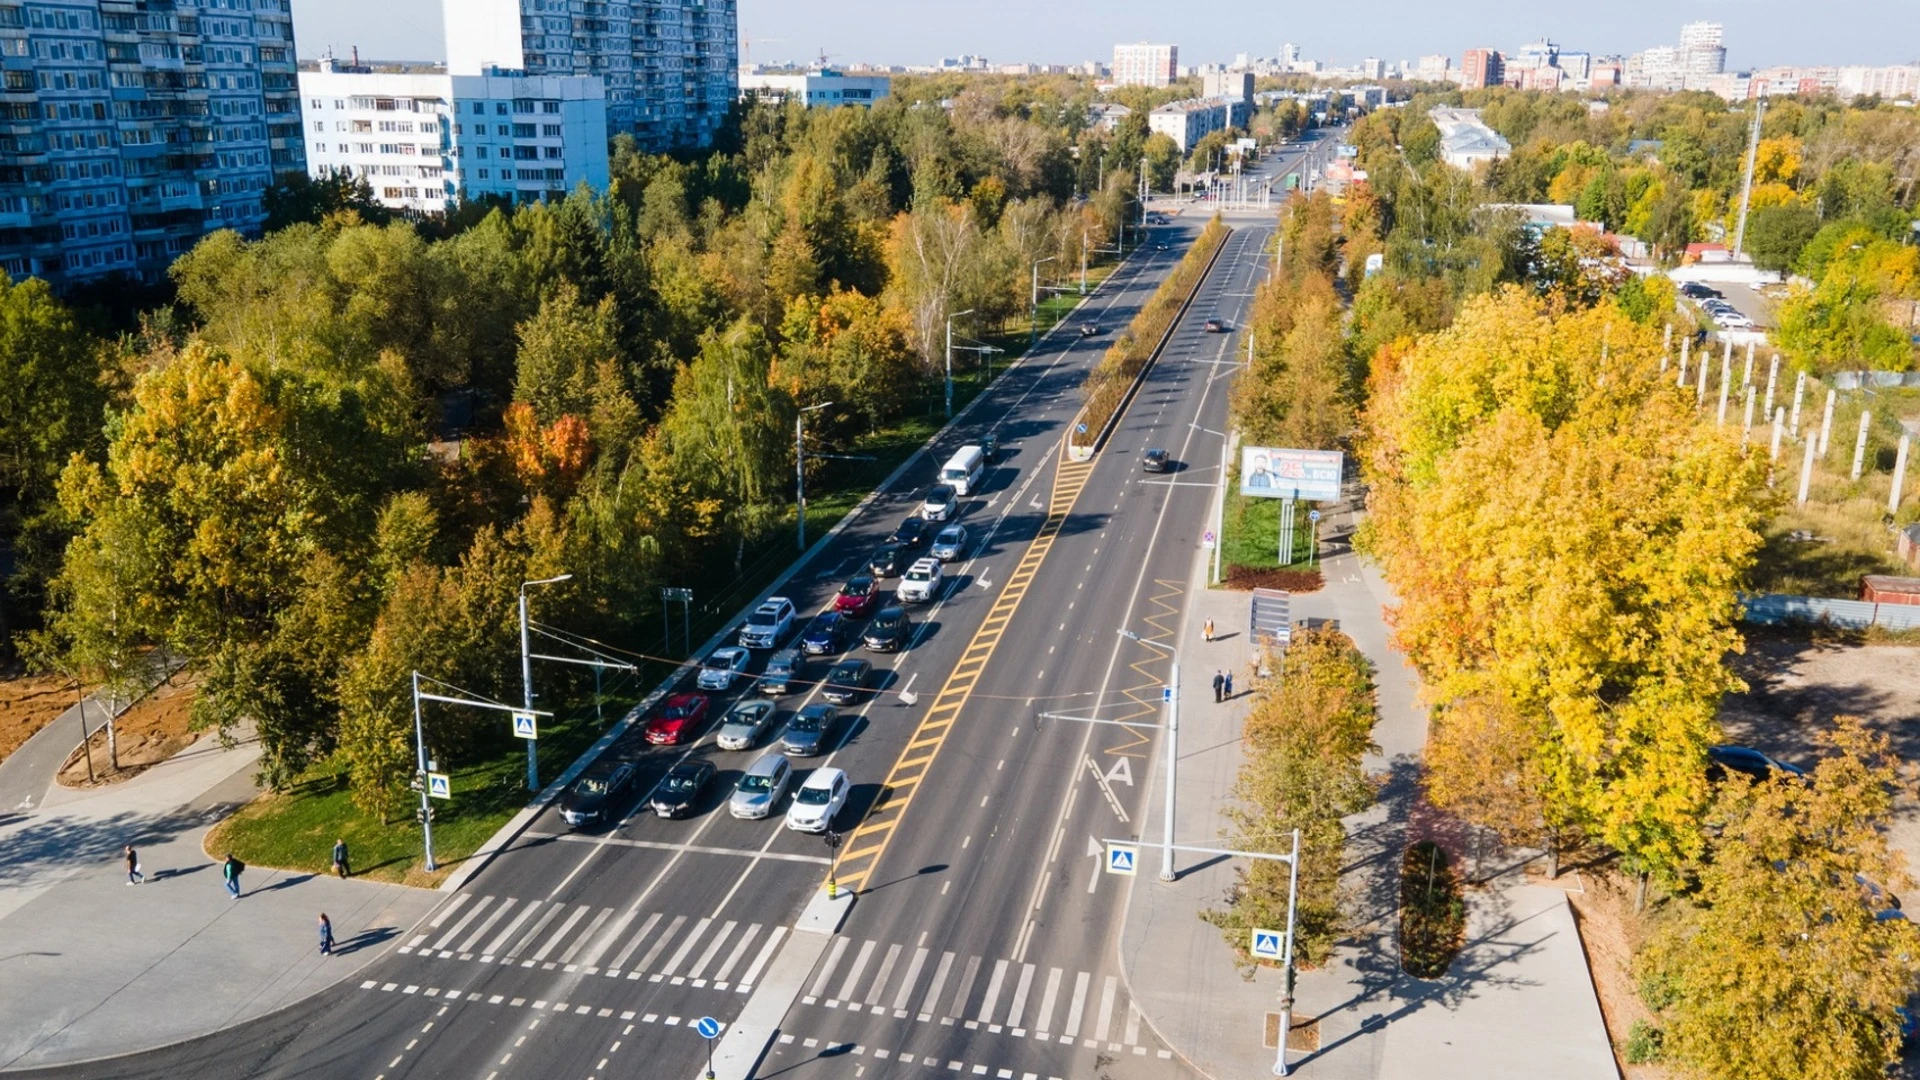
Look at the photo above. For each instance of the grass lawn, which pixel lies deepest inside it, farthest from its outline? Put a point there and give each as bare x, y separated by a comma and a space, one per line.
1250, 535
295, 830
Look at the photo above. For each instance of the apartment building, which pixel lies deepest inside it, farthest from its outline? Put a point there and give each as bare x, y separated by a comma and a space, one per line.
1482, 67
671, 67
128, 130
423, 142
1187, 122
1145, 64
824, 88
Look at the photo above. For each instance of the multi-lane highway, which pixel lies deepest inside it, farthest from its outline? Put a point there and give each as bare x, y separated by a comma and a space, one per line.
982, 938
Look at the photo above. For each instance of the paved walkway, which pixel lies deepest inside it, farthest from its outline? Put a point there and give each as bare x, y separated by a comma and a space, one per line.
1517, 1003
92, 967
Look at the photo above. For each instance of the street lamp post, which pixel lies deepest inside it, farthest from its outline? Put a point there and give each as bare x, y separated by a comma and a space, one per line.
526, 684
800, 445
1033, 325
420, 753
950, 319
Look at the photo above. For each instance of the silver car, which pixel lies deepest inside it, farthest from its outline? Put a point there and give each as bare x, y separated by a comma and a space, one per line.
761, 787
744, 724
950, 544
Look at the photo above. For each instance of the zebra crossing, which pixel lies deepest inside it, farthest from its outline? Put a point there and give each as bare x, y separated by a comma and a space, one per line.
679, 950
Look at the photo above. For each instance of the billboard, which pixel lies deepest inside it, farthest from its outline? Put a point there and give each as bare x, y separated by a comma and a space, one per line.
1273, 473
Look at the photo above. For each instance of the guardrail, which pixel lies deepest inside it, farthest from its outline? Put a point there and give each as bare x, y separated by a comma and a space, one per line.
1773, 609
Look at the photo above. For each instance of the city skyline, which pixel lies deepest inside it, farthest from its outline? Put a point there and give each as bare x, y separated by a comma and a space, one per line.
1760, 33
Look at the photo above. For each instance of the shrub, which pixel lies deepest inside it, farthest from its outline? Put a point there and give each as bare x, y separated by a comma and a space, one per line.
1433, 917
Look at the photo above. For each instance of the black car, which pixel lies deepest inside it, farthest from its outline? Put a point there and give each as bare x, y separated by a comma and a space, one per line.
1155, 460
1214, 326
825, 634
1088, 329
990, 446
588, 800
888, 560
679, 790
1750, 762
889, 630
912, 534
845, 682
807, 733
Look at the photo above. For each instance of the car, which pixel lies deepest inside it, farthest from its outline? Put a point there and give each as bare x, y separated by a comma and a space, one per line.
849, 677
990, 446
1155, 460
760, 787
940, 502
824, 634
724, 666
857, 597
1749, 762
743, 725
1214, 326
920, 582
679, 791
888, 631
886, 560
1693, 290
1088, 329
781, 669
818, 800
679, 719
588, 799
806, 734
912, 534
951, 544
768, 624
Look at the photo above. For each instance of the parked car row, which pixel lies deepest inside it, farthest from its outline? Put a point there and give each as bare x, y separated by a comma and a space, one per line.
1714, 303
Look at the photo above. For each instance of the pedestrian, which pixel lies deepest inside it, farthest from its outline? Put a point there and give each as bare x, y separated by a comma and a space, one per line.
1229, 685
230, 871
1207, 627
326, 936
340, 859
134, 876
1219, 682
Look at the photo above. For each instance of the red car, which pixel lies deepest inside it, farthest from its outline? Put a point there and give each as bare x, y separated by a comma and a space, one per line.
683, 716
857, 597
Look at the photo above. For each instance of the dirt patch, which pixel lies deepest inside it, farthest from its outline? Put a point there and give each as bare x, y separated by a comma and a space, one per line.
1611, 933
152, 731
29, 703
1248, 578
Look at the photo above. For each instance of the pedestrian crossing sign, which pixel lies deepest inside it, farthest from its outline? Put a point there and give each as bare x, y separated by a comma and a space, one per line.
438, 786
1121, 858
523, 726
1266, 945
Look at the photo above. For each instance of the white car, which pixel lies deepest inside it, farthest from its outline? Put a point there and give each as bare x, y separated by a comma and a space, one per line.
724, 666
818, 800
920, 582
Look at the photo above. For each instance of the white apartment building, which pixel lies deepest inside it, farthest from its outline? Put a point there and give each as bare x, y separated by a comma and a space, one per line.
1702, 48
1466, 141
815, 89
128, 132
1900, 82
1187, 122
1145, 64
671, 67
425, 142
1435, 68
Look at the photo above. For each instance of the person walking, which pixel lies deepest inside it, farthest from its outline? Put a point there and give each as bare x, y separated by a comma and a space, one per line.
230, 871
1219, 681
134, 876
326, 936
340, 866
1207, 627
1229, 686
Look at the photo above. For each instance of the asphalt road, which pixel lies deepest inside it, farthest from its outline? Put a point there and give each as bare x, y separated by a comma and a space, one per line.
983, 923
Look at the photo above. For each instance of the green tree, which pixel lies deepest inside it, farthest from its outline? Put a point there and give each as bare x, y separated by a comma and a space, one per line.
561, 349
1162, 155
297, 198
1776, 234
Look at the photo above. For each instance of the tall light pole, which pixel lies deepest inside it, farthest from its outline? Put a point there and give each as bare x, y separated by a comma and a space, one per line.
1033, 324
950, 319
420, 748
526, 682
800, 445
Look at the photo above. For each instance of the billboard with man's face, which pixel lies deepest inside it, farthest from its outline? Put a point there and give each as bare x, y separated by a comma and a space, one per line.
1273, 473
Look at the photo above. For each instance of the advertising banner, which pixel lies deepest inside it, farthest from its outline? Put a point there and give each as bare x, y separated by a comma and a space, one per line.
1273, 473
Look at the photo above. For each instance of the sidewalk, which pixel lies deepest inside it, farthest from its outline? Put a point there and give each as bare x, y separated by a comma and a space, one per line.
1518, 1002
94, 967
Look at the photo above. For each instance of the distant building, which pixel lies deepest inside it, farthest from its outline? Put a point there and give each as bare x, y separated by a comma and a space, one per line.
423, 142
1701, 49
1373, 68
1187, 122
1465, 142
1606, 73
1699, 56
1145, 64
1481, 67
1233, 85
1107, 116
1886, 82
1788, 81
815, 89
1435, 68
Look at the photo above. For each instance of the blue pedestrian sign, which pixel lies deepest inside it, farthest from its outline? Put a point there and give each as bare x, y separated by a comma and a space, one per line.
708, 1027
524, 727
1081, 428
1313, 515
438, 786
1122, 858
1166, 693
1266, 945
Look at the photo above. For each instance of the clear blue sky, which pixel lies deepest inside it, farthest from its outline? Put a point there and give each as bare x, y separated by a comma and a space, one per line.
1759, 32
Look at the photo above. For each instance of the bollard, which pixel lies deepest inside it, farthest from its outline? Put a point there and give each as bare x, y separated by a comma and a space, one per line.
1826, 424
1899, 475
1860, 444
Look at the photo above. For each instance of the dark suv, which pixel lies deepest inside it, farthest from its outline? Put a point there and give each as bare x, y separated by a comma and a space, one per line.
889, 630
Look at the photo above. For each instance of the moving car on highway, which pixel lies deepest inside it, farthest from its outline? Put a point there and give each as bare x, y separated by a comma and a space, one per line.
744, 724
886, 560
724, 666
782, 668
586, 801
920, 582
857, 597
825, 634
888, 631
940, 503
951, 544
768, 624
818, 800
1214, 326
845, 682
679, 791
806, 734
1155, 460
912, 533
760, 787
679, 720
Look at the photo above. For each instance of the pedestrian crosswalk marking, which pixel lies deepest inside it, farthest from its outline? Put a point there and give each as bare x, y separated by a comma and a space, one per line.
1043, 1022
880, 980
993, 991
819, 986
586, 936
462, 924
766, 954
699, 968
686, 946
660, 943
1019, 1008
620, 962
859, 965
554, 940
739, 950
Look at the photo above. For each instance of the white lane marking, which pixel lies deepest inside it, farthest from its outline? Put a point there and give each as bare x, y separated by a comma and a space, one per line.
1101, 779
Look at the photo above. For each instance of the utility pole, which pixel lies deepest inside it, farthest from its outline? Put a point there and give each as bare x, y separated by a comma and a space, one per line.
420, 747
1286, 960
950, 319
800, 445
526, 684
1173, 760
1746, 188
1083, 261
1033, 323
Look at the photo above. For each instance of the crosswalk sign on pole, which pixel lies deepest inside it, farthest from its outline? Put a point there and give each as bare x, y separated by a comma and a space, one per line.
524, 727
1266, 945
1122, 858
438, 786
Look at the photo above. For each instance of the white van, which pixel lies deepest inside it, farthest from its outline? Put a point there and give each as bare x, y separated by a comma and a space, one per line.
964, 470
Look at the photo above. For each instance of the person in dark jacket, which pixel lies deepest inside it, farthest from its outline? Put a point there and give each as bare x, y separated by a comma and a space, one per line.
340, 866
230, 872
326, 936
1219, 681
134, 876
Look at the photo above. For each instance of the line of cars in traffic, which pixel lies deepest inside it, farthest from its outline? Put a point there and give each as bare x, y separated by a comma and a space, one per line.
752, 720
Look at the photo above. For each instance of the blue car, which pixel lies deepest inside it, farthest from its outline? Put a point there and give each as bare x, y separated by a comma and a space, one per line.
825, 634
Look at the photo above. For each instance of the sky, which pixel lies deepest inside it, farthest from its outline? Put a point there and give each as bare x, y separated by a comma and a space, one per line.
1759, 33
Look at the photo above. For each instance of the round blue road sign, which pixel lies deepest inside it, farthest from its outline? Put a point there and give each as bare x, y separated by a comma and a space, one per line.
708, 1027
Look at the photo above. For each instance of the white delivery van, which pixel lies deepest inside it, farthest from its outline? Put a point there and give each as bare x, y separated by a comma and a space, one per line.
964, 470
